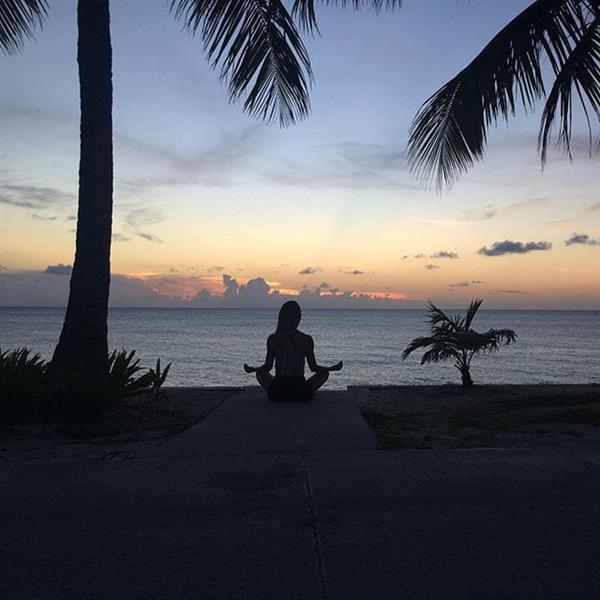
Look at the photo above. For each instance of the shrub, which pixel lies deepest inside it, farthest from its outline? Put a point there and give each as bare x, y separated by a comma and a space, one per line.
30, 390
22, 383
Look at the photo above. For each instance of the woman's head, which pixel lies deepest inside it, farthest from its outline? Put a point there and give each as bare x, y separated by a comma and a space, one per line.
289, 316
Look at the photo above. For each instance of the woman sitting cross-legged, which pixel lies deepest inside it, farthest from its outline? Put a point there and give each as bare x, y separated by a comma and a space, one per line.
289, 348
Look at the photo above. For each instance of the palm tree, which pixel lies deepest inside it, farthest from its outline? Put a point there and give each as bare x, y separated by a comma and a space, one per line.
452, 338
449, 133
258, 48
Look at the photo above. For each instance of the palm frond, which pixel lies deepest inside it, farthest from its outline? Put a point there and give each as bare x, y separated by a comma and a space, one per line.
472, 311
505, 336
18, 19
437, 317
305, 14
580, 71
416, 344
439, 352
259, 50
449, 133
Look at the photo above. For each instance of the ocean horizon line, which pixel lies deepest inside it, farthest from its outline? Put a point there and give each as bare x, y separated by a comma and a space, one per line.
307, 309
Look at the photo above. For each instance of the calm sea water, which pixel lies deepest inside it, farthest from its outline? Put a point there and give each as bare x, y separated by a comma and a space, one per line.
208, 347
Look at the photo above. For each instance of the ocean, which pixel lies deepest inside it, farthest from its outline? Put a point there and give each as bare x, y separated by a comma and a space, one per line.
209, 346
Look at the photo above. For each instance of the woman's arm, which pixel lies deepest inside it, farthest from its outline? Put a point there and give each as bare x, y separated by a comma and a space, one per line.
312, 361
269, 359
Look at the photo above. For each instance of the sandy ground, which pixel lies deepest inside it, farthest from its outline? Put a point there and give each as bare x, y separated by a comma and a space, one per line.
447, 416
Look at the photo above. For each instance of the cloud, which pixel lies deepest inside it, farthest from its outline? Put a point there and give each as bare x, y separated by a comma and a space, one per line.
308, 271
59, 269
139, 218
431, 267
212, 166
487, 212
355, 272
231, 285
37, 217
324, 285
404, 257
148, 236
582, 239
36, 288
216, 269
29, 196
445, 254
348, 165
119, 237
509, 247
420, 255
460, 284
502, 292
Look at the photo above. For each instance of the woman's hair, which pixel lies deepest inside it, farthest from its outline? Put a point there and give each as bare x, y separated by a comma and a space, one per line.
289, 316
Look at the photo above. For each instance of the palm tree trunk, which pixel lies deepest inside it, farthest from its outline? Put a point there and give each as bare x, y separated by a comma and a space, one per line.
466, 377
83, 340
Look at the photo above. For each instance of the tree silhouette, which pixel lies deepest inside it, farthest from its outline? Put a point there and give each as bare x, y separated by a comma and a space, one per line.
452, 338
257, 47
449, 133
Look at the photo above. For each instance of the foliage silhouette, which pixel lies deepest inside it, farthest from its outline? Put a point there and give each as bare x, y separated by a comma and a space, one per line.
22, 383
258, 47
30, 391
452, 338
449, 133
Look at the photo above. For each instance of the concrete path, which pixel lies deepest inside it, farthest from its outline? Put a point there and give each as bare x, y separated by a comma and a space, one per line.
247, 423
282, 521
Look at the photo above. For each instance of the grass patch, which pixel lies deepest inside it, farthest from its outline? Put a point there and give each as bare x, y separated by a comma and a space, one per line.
449, 417
137, 418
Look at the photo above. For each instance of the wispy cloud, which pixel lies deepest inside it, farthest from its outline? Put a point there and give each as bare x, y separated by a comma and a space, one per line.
308, 271
140, 218
445, 254
355, 272
119, 237
213, 166
37, 217
431, 267
348, 165
465, 284
509, 247
582, 239
510, 292
30, 196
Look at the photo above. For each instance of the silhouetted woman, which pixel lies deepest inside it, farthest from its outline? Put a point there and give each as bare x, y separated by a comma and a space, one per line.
289, 348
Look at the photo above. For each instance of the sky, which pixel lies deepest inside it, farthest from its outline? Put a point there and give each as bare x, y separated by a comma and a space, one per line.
214, 208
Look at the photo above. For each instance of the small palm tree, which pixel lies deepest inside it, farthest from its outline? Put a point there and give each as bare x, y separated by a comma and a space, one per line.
449, 133
258, 48
453, 338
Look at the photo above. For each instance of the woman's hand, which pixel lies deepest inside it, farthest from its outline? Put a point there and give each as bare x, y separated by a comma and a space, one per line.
249, 369
337, 366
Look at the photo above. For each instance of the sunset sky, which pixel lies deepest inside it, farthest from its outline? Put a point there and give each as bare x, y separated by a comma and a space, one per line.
205, 195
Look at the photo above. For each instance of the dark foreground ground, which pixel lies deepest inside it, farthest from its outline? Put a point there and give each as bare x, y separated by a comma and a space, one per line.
262, 501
